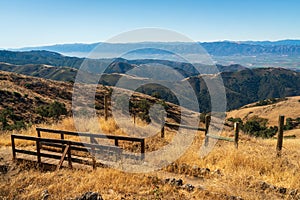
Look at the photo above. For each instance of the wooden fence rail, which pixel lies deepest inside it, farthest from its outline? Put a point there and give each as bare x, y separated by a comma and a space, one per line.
207, 136
72, 145
93, 136
67, 146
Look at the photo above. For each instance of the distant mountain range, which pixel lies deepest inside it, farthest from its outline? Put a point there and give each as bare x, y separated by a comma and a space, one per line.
284, 53
274, 43
224, 48
243, 86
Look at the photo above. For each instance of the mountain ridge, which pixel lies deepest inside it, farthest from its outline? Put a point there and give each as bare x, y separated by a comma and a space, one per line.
219, 48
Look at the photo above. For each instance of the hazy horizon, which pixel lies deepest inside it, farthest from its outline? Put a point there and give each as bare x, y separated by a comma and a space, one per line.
35, 23
90, 43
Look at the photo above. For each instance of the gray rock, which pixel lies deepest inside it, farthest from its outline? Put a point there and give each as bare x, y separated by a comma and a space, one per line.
264, 185
90, 196
178, 182
217, 172
183, 168
293, 192
3, 169
167, 180
45, 195
281, 190
204, 171
175, 182
235, 198
189, 187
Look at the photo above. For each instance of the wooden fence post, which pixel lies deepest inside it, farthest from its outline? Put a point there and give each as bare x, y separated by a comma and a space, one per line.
38, 133
38, 151
69, 155
280, 135
62, 136
162, 132
92, 141
207, 122
13, 147
105, 107
143, 149
236, 134
116, 142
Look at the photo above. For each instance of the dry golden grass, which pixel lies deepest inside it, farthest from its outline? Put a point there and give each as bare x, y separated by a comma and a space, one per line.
289, 108
241, 171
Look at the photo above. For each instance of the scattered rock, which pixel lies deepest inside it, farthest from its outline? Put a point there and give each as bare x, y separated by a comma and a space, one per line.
188, 187
90, 196
167, 180
45, 195
281, 190
217, 172
183, 168
235, 198
204, 171
264, 185
272, 187
174, 182
293, 192
195, 170
111, 191
3, 169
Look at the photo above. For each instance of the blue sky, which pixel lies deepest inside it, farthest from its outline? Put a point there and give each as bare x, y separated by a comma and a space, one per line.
36, 22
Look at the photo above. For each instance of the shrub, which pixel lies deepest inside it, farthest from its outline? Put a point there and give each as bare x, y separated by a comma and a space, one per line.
257, 127
17, 122
17, 94
231, 119
54, 110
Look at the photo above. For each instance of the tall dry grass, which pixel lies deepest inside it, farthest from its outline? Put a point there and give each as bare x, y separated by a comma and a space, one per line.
240, 171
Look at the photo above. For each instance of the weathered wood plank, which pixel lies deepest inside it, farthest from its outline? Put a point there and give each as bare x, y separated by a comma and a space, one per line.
96, 135
220, 138
63, 157
185, 126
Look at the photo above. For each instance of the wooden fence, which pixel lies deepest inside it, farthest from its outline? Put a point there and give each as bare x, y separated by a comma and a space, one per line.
280, 136
205, 130
67, 146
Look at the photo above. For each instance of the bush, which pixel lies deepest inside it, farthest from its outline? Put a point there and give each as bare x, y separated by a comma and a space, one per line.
17, 122
257, 127
231, 119
17, 94
289, 124
269, 101
54, 110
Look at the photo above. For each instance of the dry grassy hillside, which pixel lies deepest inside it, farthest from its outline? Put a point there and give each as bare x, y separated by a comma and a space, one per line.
251, 172
288, 108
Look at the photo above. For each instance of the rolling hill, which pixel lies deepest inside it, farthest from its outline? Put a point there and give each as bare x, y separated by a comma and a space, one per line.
243, 85
22, 96
290, 108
